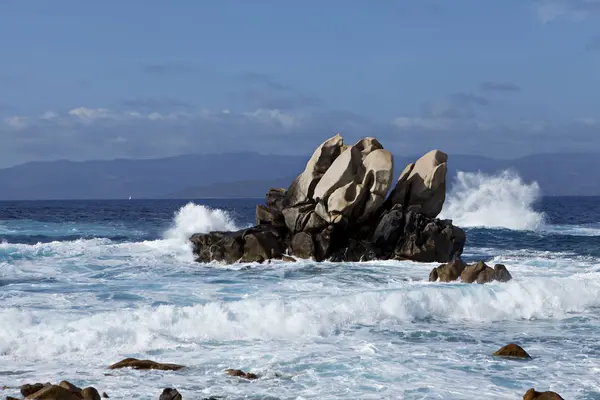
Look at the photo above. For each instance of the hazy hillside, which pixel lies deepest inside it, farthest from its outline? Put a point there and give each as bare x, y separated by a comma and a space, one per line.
251, 174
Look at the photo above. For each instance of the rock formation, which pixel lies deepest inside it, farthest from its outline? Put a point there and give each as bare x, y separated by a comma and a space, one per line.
338, 209
480, 272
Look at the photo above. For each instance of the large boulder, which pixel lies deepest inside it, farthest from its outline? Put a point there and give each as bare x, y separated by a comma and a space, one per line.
379, 169
422, 185
261, 245
356, 184
225, 247
302, 188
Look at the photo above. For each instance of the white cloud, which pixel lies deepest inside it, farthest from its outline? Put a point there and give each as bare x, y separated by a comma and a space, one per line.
49, 115
90, 114
434, 124
16, 122
276, 116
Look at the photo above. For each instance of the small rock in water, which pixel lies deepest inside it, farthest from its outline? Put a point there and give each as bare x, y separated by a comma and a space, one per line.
533, 395
512, 350
145, 364
170, 394
90, 393
54, 392
28, 389
11, 398
70, 387
104, 395
241, 374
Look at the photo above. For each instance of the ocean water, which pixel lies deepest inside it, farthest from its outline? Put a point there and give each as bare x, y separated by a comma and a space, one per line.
84, 284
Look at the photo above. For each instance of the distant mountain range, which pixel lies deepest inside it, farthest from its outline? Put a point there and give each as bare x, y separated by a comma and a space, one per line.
251, 175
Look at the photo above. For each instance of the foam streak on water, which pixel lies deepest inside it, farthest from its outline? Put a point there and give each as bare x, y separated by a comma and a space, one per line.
374, 330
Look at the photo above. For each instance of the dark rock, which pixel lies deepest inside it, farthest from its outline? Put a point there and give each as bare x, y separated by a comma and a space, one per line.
355, 251
448, 272
533, 395
323, 243
512, 350
241, 374
145, 365
287, 258
303, 245
11, 398
502, 273
170, 394
409, 235
54, 392
104, 395
28, 389
90, 393
261, 245
218, 246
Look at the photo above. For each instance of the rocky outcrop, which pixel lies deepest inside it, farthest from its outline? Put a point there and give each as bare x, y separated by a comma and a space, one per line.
145, 364
337, 209
480, 272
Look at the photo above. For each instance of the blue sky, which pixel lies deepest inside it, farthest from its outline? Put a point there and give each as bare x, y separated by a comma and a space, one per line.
502, 78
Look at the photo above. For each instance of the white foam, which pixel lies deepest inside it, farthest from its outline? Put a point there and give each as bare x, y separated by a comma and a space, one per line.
193, 218
39, 335
493, 201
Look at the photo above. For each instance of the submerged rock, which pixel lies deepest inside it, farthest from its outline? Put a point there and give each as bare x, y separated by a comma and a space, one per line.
531, 394
241, 374
336, 209
145, 365
512, 350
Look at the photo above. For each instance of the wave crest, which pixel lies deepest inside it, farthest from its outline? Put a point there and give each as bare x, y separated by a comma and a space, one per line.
502, 200
193, 218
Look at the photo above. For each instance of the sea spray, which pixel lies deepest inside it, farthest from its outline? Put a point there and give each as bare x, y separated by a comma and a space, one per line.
493, 201
193, 218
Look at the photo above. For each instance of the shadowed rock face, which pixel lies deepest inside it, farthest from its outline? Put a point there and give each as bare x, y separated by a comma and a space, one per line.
337, 209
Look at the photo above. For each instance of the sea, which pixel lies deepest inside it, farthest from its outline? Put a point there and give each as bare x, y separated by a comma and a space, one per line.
84, 284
